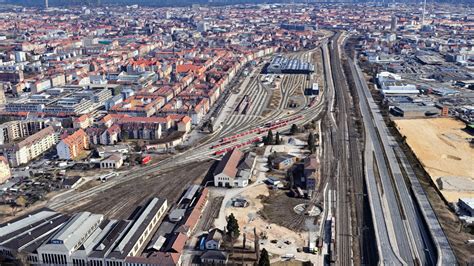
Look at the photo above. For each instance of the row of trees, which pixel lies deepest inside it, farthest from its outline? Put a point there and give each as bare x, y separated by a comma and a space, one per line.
312, 142
272, 140
311, 126
233, 233
276, 140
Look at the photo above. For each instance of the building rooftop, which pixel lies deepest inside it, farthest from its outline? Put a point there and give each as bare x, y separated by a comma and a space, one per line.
73, 234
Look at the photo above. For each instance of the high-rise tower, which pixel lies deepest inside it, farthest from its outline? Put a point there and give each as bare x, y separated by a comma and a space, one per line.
46, 4
423, 15
393, 24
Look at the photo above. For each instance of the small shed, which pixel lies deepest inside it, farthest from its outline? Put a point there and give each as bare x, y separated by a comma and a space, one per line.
274, 181
72, 182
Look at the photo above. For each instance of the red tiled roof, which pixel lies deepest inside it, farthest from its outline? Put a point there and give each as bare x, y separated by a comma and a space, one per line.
75, 137
228, 164
81, 118
179, 242
140, 119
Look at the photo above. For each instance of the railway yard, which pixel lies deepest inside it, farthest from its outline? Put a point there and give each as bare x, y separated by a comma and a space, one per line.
133, 193
267, 107
241, 134
275, 105
360, 192
242, 128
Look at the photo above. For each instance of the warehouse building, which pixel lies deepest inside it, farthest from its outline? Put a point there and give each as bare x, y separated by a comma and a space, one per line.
397, 87
235, 169
168, 243
46, 237
283, 65
387, 76
413, 111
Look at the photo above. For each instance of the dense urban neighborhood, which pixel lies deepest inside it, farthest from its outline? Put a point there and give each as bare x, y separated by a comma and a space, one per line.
302, 133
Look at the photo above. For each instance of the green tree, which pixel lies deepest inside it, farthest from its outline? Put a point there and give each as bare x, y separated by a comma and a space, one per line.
311, 142
269, 138
210, 127
233, 226
20, 201
291, 177
264, 258
277, 139
271, 158
294, 129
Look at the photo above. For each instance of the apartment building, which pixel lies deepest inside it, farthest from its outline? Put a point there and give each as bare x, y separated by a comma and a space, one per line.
74, 100
72, 146
83, 121
13, 130
144, 127
5, 172
29, 148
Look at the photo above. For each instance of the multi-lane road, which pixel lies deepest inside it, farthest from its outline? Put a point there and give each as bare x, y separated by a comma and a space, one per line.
406, 228
428, 243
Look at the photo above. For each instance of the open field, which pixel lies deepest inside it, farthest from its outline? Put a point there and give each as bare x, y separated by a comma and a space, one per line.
441, 146
120, 201
447, 218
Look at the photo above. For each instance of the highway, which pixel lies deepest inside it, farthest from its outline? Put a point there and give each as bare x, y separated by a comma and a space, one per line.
428, 244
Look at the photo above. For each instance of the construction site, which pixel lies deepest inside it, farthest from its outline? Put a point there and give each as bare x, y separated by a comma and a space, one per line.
443, 149
281, 230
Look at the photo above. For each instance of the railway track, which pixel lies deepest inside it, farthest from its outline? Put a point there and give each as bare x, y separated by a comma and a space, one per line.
235, 125
342, 154
214, 208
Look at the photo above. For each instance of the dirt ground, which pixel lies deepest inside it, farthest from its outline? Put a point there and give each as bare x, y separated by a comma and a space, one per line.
317, 60
278, 207
441, 146
120, 201
249, 218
